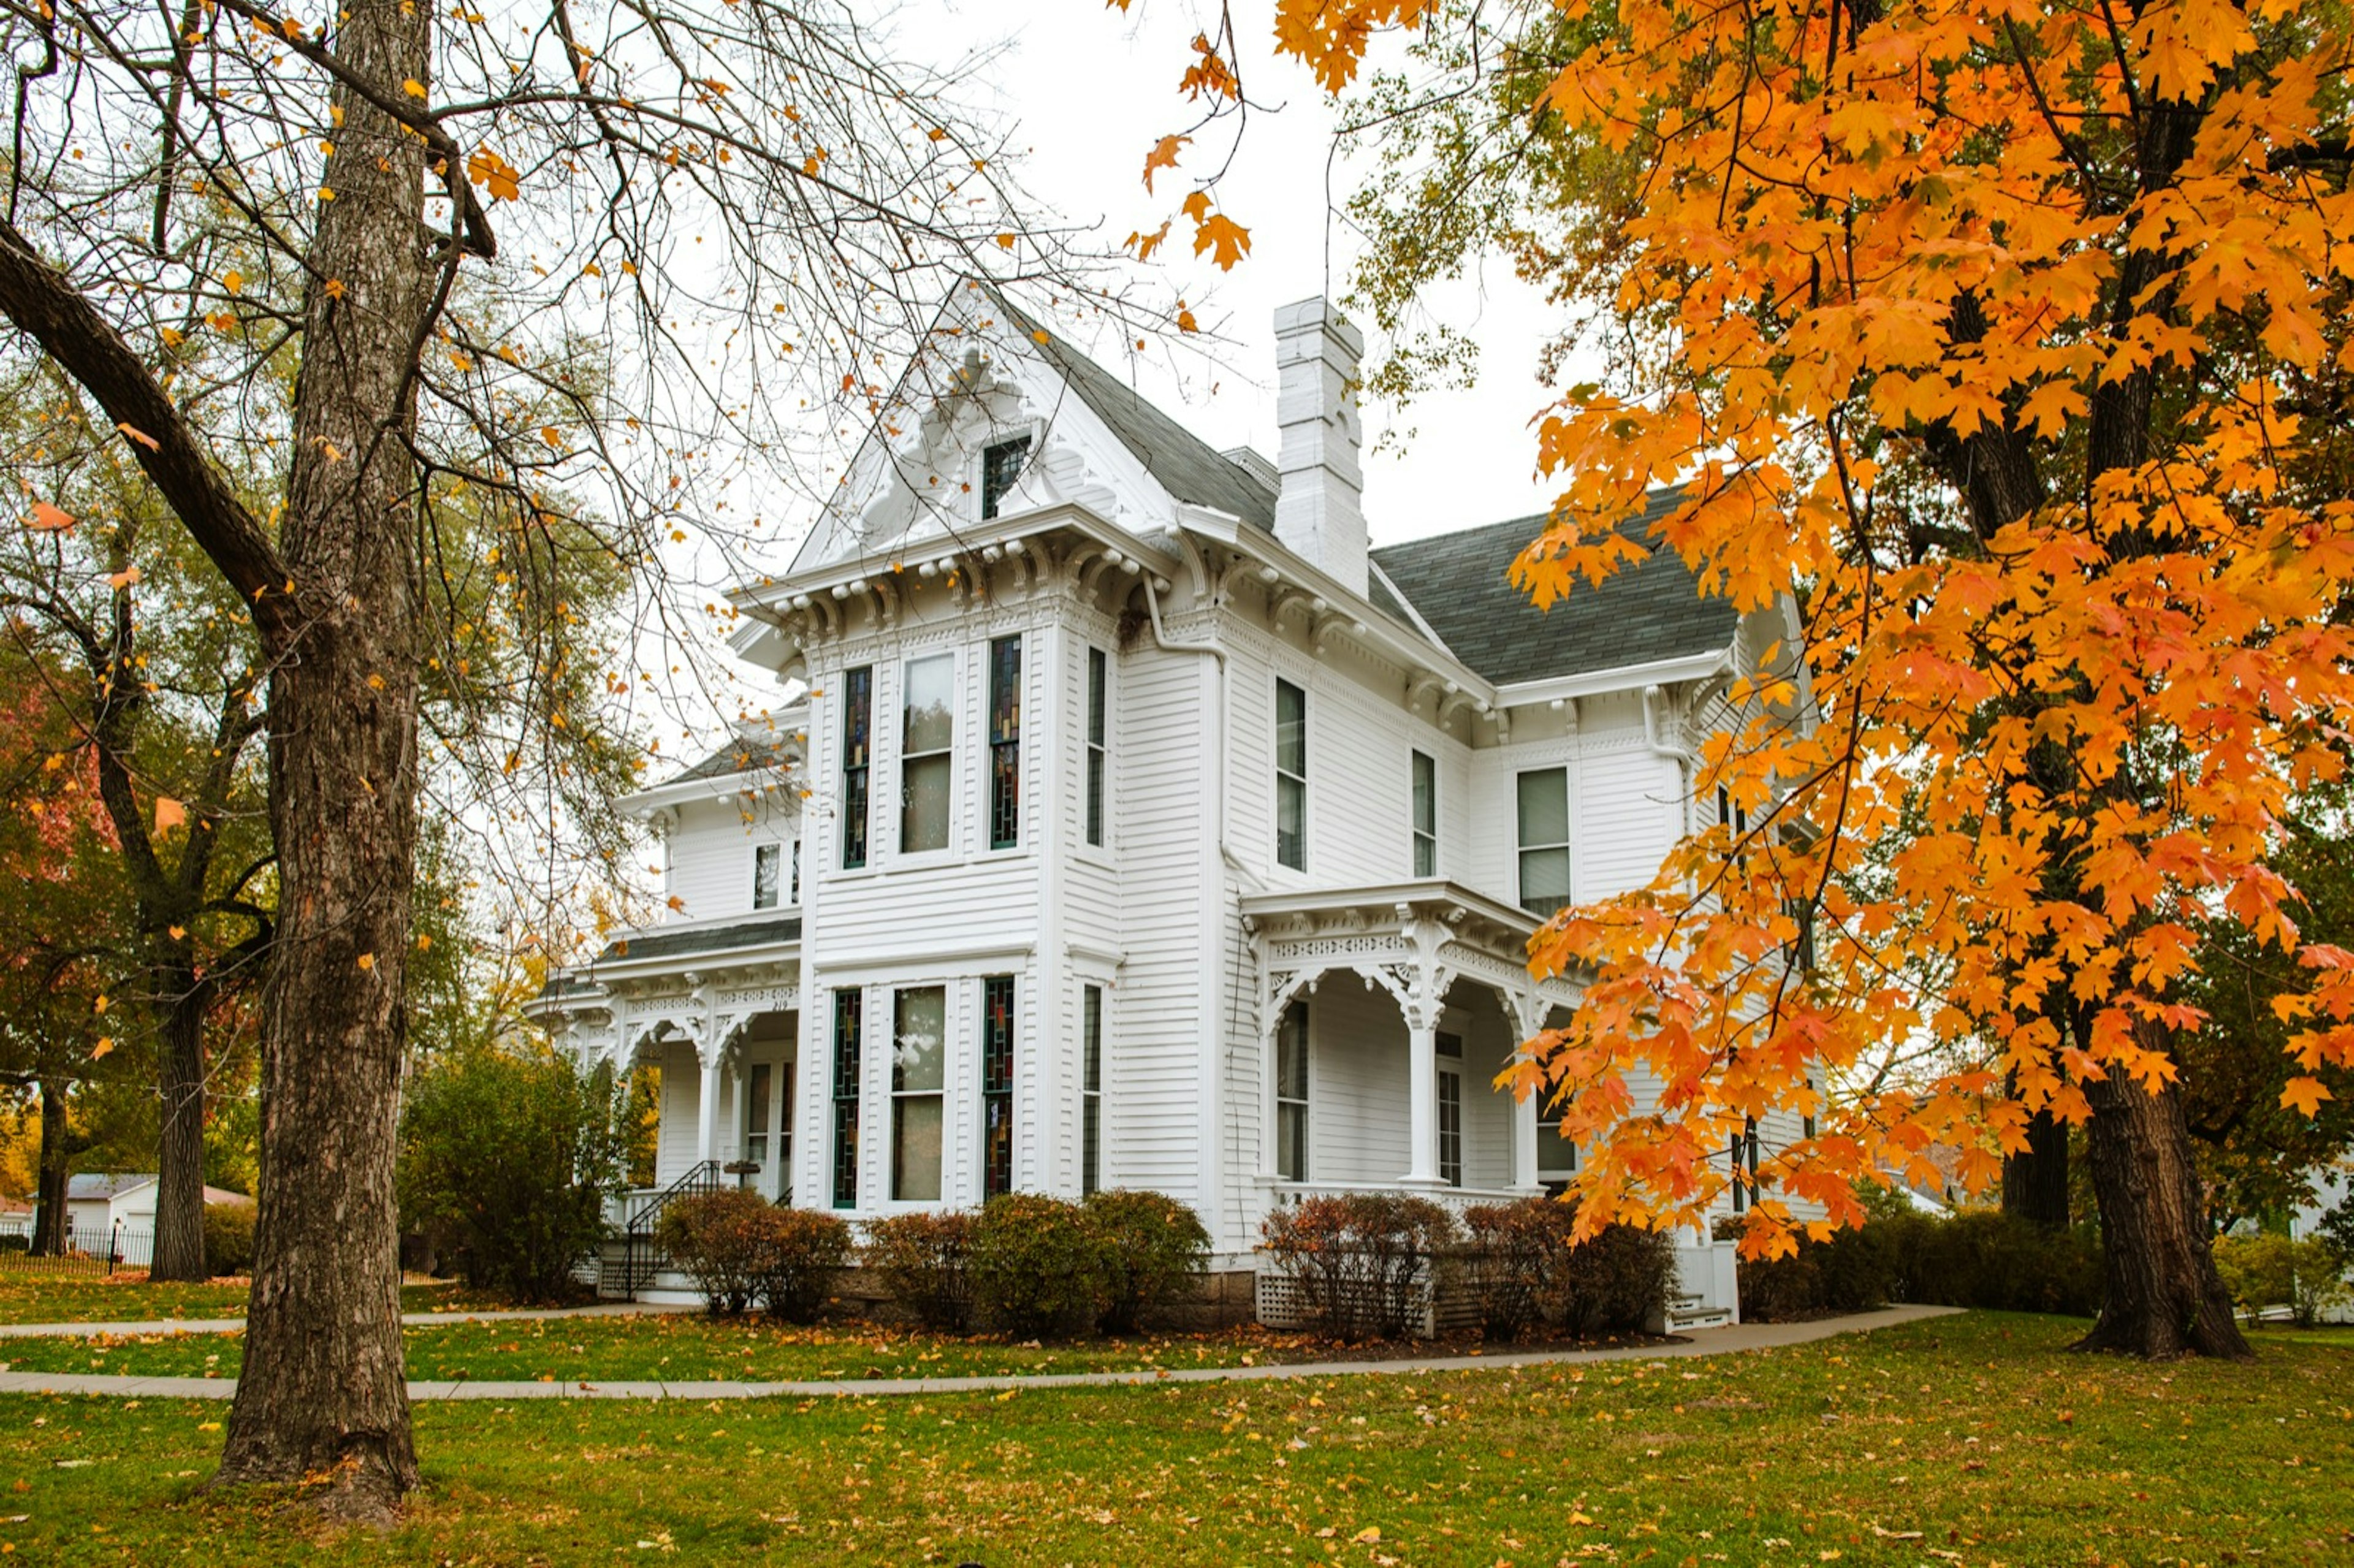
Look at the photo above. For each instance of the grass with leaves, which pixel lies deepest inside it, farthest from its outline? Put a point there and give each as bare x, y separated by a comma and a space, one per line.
1973, 1440
32, 1293
676, 1347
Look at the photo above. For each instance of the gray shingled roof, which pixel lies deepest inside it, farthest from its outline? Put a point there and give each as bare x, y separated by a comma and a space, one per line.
1645, 612
88, 1186
736, 756
1185, 464
709, 939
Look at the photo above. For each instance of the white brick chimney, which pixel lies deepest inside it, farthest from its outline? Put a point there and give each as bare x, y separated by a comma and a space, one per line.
1319, 511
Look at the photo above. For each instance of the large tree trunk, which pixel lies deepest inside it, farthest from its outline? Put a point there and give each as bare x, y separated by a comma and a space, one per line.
2163, 1296
180, 1142
322, 1389
2035, 1181
51, 1218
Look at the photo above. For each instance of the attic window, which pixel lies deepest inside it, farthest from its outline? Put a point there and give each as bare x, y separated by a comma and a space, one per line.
1002, 464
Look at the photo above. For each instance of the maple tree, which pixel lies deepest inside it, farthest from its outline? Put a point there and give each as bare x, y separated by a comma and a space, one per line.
2007, 346
381, 264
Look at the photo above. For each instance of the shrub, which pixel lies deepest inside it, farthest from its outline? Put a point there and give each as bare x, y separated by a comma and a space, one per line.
1980, 1257
509, 1154
1358, 1259
228, 1239
1037, 1266
14, 1242
1149, 1246
924, 1261
802, 1251
1528, 1271
715, 1238
2264, 1271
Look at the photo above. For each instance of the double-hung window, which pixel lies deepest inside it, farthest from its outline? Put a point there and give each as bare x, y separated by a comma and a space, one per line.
1426, 814
1002, 464
1005, 743
1450, 1109
996, 1086
857, 761
1556, 1150
1090, 1088
1291, 1094
1098, 678
849, 1019
759, 1084
1291, 776
1544, 840
918, 1082
768, 872
927, 760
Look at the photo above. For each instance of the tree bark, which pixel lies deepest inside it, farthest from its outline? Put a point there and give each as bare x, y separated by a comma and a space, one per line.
2163, 1296
2035, 1181
52, 1224
179, 1247
323, 1389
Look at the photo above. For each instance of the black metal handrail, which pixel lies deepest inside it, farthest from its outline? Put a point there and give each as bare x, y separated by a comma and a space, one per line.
699, 1178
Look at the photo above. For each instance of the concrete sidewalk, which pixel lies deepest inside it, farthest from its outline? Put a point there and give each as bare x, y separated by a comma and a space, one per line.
236, 1325
1699, 1343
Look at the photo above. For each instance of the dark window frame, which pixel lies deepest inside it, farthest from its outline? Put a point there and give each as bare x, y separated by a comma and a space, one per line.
1001, 464
857, 764
1292, 1147
849, 1031
1290, 780
1423, 783
997, 998
1098, 745
1091, 1056
1005, 742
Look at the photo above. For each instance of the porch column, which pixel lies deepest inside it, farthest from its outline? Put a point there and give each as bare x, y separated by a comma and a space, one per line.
1422, 1099
706, 1116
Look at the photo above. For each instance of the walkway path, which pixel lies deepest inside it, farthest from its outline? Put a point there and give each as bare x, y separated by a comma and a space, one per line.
1699, 1343
236, 1325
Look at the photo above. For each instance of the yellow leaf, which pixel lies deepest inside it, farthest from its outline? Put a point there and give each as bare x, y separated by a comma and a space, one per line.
1162, 156
178, 932
102, 1048
2304, 1096
233, 280
48, 519
99, 1006
1228, 240
367, 960
169, 813
132, 432
123, 579
414, 88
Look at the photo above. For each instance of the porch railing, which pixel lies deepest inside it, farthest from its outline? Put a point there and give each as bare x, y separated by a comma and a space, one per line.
639, 1214
1454, 1199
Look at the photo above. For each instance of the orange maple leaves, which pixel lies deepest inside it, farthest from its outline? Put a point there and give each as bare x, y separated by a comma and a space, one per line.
2061, 719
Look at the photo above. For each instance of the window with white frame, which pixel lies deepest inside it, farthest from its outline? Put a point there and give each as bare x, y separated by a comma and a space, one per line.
759, 1084
1090, 1088
1450, 1109
1544, 840
1099, 749
768, 872
1291, 1094
927, 760
919, 1086
1426, 814
1002, 464
1556, 1150
1291, 776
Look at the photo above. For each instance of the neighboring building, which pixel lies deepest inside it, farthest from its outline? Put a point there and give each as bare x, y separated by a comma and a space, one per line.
1134, 823
15, 1217
114, 1212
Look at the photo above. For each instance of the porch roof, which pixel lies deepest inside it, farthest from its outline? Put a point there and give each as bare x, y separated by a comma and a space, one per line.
666, 942
1388, 907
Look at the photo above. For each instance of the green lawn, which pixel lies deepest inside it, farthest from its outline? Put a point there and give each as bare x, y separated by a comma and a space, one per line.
1967, 1440
29, 1296
674, 1346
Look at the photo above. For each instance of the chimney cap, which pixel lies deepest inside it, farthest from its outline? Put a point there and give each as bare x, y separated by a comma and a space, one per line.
1316, 312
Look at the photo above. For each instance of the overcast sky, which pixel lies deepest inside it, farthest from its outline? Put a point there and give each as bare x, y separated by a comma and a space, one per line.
1091, 90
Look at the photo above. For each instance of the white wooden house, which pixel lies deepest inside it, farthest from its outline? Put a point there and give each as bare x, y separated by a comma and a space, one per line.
1132, 822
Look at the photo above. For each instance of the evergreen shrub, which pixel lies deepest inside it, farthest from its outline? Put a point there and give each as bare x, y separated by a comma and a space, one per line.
1037, 1266
1151, 1247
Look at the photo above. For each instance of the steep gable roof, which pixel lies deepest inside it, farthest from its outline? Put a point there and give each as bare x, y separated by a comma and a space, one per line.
1184, 464
1646, 613
739, 756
